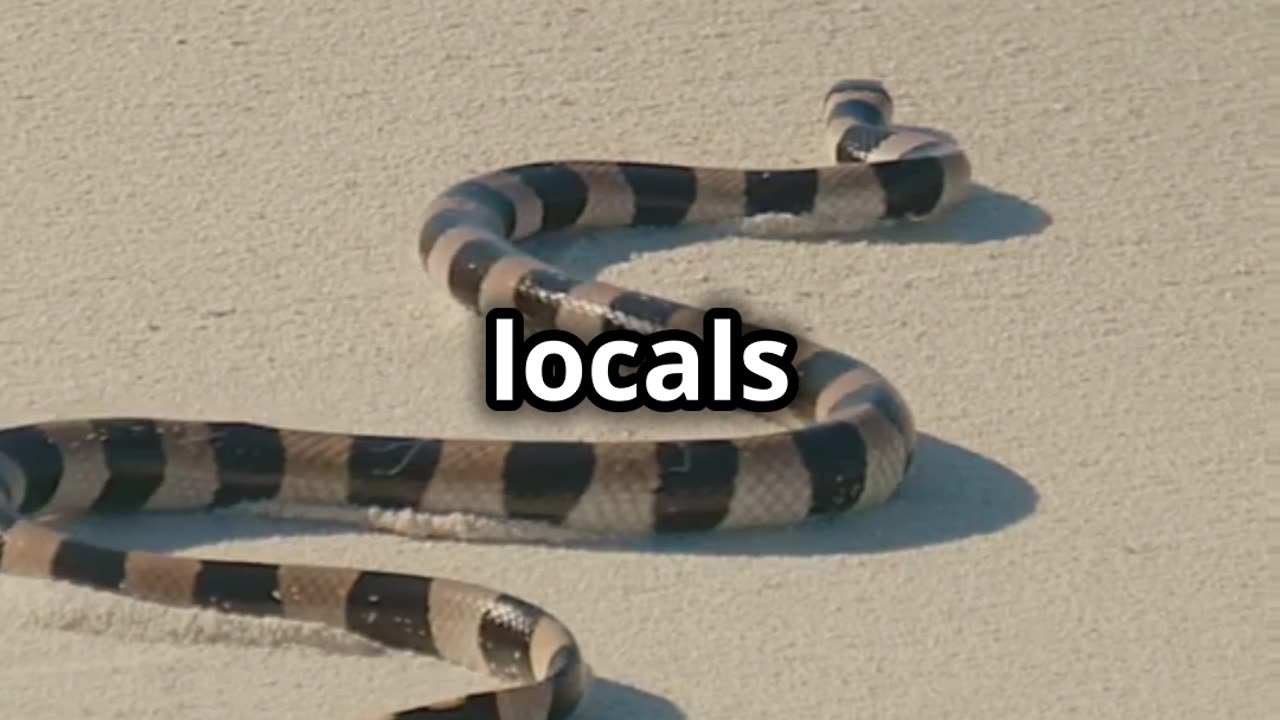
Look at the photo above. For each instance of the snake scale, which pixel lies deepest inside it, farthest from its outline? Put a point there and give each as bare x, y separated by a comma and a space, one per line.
850, 448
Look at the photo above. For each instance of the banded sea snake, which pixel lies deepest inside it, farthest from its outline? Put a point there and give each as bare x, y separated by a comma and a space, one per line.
851, 448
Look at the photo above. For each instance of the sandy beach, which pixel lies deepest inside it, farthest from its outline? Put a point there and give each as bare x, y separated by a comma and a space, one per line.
213, 212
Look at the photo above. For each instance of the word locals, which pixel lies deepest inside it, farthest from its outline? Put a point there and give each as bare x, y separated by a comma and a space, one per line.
553, 370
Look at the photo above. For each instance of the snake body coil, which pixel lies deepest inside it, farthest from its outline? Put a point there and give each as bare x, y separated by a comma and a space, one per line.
852, 450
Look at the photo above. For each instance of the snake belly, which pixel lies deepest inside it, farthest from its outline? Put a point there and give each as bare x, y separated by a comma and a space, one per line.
850, 449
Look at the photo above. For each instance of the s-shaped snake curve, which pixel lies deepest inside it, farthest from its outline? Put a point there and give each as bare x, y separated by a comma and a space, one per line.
851, 448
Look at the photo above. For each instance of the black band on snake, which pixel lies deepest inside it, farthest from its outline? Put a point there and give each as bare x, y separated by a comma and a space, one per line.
851, 448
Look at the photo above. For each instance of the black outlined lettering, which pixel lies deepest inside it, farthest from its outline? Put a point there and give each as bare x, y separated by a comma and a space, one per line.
674, 373
606, 381
501, 328
553, 370
622, 370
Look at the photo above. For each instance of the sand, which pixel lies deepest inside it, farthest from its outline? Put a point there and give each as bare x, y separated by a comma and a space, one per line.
213, 211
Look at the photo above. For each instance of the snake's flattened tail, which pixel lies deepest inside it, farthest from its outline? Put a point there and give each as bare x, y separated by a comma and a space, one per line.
857, 114
923, 172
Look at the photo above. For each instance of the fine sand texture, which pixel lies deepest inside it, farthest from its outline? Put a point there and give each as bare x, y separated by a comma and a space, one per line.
212, 210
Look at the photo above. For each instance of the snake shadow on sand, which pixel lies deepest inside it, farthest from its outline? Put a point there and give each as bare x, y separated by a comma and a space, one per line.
985, 216
950, 493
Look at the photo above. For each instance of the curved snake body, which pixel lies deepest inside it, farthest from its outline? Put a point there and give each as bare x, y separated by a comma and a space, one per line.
852, 449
